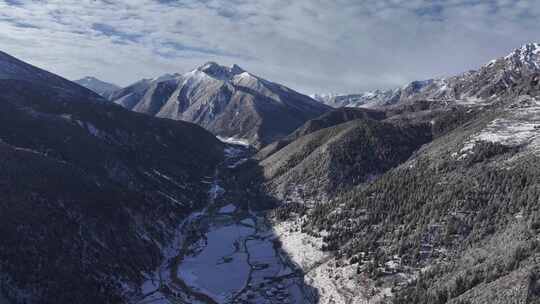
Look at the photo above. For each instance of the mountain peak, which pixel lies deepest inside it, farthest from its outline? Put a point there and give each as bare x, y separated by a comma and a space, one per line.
216, 70
211, 67
527, 55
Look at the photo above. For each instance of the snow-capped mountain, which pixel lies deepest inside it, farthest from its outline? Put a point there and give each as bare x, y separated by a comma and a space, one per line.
488, 82
228, 101
527, 56
364, 99
472, 87
103, 88
375, 98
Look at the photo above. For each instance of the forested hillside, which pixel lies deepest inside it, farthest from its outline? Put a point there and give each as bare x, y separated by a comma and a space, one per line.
90, 193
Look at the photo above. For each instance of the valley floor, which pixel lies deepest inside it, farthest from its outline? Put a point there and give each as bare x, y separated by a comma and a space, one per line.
227, 253
231, 252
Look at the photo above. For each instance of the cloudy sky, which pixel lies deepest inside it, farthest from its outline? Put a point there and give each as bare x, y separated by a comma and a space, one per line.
309, 45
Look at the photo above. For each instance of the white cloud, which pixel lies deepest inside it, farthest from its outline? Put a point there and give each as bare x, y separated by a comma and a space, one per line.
310, 45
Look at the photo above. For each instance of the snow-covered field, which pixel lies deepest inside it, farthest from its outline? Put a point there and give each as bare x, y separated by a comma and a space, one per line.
220, 269
263, 256
304, 250
224, 254
236, 261
520, 126
334, 283
509, 132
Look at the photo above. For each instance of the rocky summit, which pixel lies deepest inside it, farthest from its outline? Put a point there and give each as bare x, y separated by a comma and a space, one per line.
227, 101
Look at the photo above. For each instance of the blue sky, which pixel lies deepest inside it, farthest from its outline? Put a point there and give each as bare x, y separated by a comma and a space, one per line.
309, 45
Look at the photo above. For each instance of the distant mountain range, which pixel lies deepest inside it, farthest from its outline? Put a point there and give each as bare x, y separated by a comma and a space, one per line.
473, 86
365, 99
103, 88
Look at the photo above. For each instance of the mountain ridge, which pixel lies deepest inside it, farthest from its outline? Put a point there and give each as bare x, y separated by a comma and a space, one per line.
228, 101
471, 87
13, 68
84, 184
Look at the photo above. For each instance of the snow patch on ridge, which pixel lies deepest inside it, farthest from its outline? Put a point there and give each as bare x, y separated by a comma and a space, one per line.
234, 141
520, 127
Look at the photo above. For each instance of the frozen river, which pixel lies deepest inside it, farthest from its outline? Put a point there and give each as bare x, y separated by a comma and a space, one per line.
226, 253
236, 260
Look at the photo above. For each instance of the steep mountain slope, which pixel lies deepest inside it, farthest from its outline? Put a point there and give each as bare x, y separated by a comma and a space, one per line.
326, 120
449, 209
458, 222
228, 101
350, 146
135, 94
103, 88
334, 158
336, 117
90, 193
12, 68
490, 80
